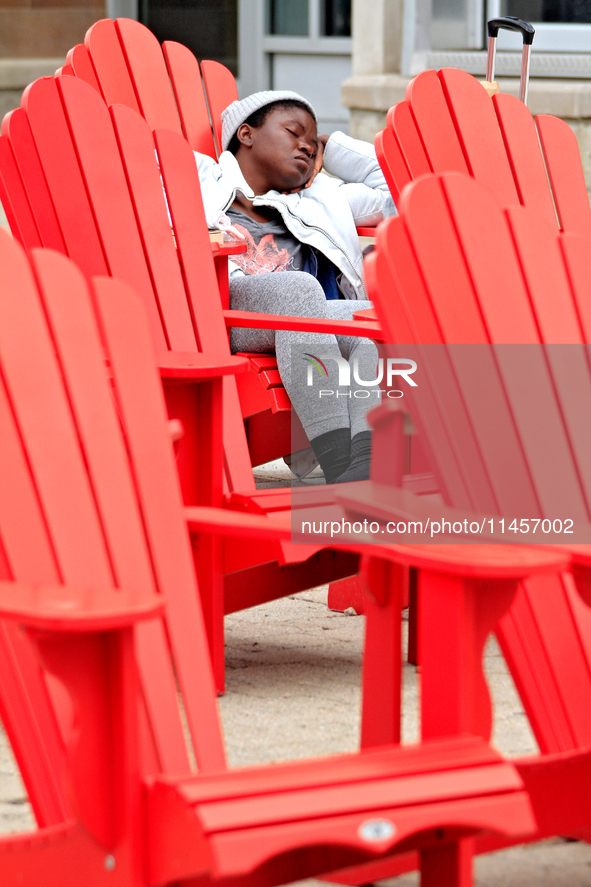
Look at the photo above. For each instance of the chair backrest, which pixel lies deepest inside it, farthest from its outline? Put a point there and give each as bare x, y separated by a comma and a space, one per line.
90, 498
103, 184
123, 60
469, 275
448, 123
220, 87
507, 424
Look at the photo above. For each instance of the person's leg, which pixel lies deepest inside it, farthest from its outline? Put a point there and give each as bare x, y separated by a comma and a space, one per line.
363, 354
326, 421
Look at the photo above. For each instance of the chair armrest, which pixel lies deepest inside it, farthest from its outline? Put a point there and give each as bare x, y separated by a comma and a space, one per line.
486, 561
228, 249
224, 522
189, 365
66, 608
365, 502
252, 319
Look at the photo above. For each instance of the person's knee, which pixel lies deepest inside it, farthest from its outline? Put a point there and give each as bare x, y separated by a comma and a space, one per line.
305, 296
279, 292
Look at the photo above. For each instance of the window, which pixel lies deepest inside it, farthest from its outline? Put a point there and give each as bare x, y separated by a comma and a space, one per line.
301, 18
561, 25
208, 27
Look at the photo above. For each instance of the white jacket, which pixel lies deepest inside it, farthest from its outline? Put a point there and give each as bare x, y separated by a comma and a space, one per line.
324, 215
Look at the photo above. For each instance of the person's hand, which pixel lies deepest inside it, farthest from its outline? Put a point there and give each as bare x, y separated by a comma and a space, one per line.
322, 140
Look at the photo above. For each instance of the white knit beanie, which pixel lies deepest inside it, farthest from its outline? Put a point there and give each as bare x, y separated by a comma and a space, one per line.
240, 110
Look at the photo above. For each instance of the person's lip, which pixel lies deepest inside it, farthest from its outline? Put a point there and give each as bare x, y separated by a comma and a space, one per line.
303, 159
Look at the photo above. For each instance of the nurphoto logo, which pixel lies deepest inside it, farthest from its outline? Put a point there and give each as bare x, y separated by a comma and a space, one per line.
386, 370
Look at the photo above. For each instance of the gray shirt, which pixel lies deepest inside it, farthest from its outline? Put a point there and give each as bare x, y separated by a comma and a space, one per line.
270, 245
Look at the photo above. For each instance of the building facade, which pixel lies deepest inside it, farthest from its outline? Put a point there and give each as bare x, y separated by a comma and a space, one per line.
395, 39
351, 58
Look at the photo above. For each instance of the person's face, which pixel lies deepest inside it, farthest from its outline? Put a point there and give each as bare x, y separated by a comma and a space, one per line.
283, 148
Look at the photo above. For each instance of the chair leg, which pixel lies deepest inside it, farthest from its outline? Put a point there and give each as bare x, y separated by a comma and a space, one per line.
413, 629
386, 584
449, 866
456, 615
345, 593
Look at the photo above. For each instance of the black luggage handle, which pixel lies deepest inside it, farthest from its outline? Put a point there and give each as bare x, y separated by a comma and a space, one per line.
510, 23
527, 31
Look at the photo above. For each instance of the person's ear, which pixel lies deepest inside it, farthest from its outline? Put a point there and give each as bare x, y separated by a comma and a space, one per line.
244, 135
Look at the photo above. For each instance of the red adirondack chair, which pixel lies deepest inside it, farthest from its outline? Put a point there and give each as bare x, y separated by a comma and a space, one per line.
95, 176
448, 123
460, 270
96, 563
457, 269
123, 60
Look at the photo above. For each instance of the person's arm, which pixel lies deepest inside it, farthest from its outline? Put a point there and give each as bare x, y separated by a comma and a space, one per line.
354, 162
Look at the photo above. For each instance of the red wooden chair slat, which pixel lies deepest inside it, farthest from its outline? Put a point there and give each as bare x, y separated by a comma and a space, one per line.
25, 707
56, 153
221, 91
185, 75
47, 231
555, 310
578, 263
533, 667
421, 326
141, 406
392, 162
477, 129
81, 65
402, 124
113, 487
147, 67
15, 200
565, 172
540, 397
76, 535
108, 61
92, 135
145, 188
182, 184
520, 136
427, 104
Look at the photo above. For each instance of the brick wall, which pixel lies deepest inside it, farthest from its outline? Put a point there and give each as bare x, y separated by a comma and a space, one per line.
44, 28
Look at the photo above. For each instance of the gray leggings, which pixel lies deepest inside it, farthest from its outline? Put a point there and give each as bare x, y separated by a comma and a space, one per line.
321, 404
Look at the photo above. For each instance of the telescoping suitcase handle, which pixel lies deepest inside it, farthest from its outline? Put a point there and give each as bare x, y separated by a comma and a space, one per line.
527, 31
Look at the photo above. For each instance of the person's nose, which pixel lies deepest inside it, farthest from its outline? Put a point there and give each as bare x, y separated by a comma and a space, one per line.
306, 147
